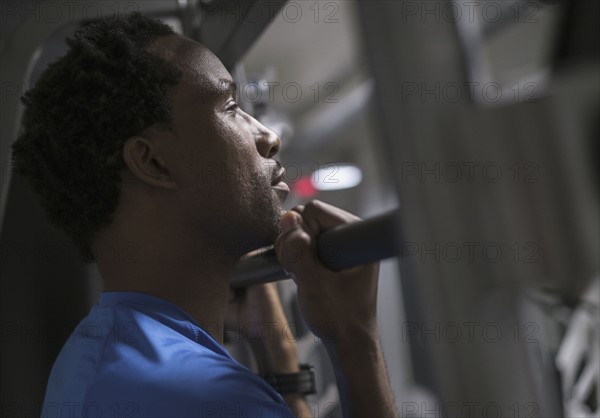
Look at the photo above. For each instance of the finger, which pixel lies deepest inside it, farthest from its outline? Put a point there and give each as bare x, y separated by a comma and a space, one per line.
290, 220
293, 243
320, 216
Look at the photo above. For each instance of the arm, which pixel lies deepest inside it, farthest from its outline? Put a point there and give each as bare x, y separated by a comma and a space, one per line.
274, 350
340, 308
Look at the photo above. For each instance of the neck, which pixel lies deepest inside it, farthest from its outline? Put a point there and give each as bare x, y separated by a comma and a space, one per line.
171, 265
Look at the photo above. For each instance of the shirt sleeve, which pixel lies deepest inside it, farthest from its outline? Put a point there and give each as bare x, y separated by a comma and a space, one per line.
220, 390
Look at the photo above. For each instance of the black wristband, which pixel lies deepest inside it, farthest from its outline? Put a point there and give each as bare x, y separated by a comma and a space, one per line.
302, 382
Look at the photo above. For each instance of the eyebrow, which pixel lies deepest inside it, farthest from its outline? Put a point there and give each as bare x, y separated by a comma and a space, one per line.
227, 86
211, 91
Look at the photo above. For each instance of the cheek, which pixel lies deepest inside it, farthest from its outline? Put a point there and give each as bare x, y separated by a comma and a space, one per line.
239, 153
251, 181
244, 177
210, 157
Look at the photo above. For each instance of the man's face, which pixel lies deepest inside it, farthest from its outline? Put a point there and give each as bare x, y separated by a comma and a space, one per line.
221, 156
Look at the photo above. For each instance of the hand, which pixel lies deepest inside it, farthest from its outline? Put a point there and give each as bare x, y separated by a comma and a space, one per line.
257, 313
335, 305
346, 300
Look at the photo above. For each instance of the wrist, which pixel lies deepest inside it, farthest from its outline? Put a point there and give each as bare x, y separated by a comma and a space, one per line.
339, 336
354, 347
300, 383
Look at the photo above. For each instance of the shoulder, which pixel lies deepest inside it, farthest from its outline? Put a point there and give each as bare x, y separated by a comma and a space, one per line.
194, 384
134, 363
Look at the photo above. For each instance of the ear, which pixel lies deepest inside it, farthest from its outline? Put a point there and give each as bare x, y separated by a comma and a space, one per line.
141, 159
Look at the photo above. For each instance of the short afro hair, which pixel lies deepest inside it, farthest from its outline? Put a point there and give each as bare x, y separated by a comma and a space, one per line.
107, 88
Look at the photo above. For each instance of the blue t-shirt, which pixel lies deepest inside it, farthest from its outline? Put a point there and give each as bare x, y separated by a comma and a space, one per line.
137, 355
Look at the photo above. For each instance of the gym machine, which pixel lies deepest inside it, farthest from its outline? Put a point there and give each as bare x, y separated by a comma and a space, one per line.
556, 216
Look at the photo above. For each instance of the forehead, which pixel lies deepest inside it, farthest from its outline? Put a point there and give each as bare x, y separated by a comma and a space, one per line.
204, 76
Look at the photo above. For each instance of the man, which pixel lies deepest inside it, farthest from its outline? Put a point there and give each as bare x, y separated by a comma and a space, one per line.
138, 150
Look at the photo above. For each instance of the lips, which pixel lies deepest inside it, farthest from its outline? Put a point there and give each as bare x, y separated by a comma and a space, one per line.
282, 190
278, 185
281, 186
278, 175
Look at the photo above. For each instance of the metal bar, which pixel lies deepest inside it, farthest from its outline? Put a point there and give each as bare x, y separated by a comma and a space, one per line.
339, 248
230, 28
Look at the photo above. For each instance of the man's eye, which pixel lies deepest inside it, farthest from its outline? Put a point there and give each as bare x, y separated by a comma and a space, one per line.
232, 106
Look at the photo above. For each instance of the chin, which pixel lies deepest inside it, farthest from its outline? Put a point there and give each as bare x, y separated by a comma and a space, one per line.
261, 223
270, 225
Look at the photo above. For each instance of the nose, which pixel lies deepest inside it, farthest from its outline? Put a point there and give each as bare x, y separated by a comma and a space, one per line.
268, 142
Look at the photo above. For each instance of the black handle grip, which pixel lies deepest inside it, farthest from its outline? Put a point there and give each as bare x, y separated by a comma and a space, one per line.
339, 248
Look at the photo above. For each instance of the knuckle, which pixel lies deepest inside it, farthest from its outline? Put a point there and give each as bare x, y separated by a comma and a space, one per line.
311, 209
299, 237
294, 250
313, 204
296, 237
